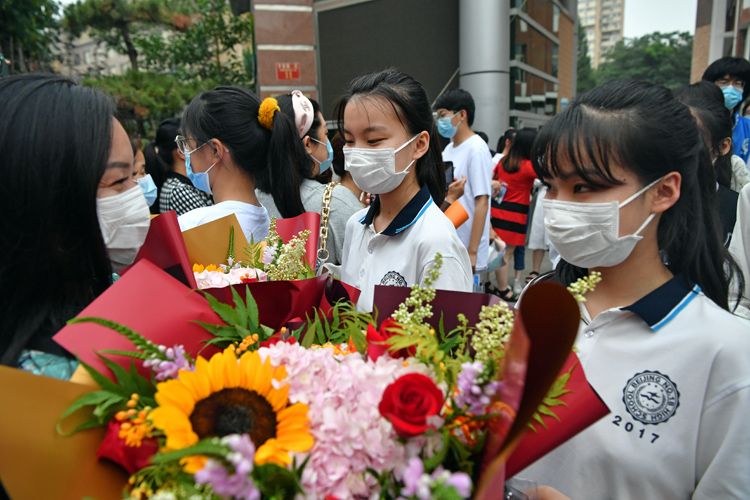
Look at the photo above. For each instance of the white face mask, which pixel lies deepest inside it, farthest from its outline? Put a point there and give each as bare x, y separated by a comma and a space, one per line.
374, 169
124, 221
587, 235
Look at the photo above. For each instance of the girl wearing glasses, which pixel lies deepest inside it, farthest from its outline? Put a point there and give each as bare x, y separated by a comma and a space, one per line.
229, 139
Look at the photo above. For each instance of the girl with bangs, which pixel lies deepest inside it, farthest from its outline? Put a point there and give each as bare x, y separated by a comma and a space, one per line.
632, 195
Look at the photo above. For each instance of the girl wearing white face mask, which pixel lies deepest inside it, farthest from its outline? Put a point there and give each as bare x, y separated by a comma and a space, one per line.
390, 151
632, 195
69, 206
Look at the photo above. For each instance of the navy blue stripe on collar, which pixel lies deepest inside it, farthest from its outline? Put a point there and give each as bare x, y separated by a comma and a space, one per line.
408, 215
665, 303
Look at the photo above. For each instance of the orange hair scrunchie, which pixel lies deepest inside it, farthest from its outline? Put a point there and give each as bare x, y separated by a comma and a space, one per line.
266, 111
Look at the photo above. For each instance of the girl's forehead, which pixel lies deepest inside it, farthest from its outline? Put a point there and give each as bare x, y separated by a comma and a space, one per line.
370, 112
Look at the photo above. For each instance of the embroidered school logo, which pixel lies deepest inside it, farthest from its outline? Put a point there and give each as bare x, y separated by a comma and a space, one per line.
392, 278
651, 397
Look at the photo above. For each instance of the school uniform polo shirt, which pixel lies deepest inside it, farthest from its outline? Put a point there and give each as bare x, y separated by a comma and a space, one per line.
674, 369
403, 253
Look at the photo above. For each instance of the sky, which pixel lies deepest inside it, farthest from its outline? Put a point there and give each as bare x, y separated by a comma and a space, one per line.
647, 16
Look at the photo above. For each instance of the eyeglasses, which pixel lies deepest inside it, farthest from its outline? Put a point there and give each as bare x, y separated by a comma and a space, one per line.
184, 147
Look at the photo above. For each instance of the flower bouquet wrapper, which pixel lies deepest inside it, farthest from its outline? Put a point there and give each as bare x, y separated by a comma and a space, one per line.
150, 302
165, 247
544, 330
291, 227
447, 304
279, 302
582, 407
36, 462
207, 243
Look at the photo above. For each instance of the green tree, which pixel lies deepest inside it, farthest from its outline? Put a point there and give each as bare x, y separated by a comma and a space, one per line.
585, 75
114, 21
212, 44
28, 30
662, 58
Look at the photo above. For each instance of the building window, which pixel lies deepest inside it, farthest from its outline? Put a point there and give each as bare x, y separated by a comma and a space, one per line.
555, 18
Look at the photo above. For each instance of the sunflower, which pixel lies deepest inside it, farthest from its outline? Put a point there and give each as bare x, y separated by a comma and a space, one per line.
227, 395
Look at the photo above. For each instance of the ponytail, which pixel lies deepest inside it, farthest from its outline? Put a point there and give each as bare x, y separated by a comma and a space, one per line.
282, 179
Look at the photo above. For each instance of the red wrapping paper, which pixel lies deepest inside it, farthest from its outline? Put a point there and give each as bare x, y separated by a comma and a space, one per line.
165, 247
447, 303
582, 408
148, 301
291, 227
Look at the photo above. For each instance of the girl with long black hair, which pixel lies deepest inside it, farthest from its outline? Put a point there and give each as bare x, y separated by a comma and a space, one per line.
391, 151
632, 195
72, 212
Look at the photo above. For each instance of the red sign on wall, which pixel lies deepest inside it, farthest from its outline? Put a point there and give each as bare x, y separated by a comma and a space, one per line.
287, 71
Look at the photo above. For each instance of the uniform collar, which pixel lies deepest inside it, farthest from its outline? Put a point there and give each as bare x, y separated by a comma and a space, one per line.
408, 215
662, 305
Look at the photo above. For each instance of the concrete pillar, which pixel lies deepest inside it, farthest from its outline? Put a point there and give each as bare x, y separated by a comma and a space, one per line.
484, 60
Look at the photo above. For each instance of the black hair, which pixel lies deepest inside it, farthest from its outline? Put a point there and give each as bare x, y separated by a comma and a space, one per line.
338, 143
509, 135
159, 152
483, 135
520, 150
643, 128
455, 100
55, 137
230, 114
409, 101
706, 102
732, 66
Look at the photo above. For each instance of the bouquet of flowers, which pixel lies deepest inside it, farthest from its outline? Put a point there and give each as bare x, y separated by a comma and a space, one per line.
336, 407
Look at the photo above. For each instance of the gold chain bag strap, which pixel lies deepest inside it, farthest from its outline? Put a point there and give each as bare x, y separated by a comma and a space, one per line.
325, 214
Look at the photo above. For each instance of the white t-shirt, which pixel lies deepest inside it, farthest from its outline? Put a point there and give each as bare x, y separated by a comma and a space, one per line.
253, 219
403, 253
674, 370
472, 159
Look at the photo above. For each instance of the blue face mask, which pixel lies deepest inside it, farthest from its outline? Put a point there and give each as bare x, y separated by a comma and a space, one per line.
199, 179
149, 189
446, 128
732, 96
325, 164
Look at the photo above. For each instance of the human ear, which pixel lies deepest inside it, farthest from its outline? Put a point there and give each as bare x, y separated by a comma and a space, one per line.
218, 148
666, 192
725, 146
306, 141
422, 145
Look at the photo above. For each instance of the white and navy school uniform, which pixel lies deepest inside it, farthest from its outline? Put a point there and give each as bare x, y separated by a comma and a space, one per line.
674, 369
403, 253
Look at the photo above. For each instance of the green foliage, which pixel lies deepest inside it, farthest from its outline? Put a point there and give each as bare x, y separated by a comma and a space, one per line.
344, 323
241, 321
585, 73
144, 99
662, 58
144, 345
112, 397
28, 30
552, 399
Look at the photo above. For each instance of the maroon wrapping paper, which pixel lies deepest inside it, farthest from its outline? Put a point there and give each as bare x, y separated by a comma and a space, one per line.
148, 301
165, 247
447, 303
582, 408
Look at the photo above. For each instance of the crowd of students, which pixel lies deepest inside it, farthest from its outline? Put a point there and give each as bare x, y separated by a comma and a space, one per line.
631, 180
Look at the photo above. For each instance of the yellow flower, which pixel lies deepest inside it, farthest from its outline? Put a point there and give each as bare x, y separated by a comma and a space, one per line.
212, 267
227, 395
198, 268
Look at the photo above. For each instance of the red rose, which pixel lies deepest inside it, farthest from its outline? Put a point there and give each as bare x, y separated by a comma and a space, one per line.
409, 402
376, 341
130, 458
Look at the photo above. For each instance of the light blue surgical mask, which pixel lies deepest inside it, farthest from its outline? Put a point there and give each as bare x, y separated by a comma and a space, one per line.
199, 179
325, 164
732, 96
446, 128
149, 188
